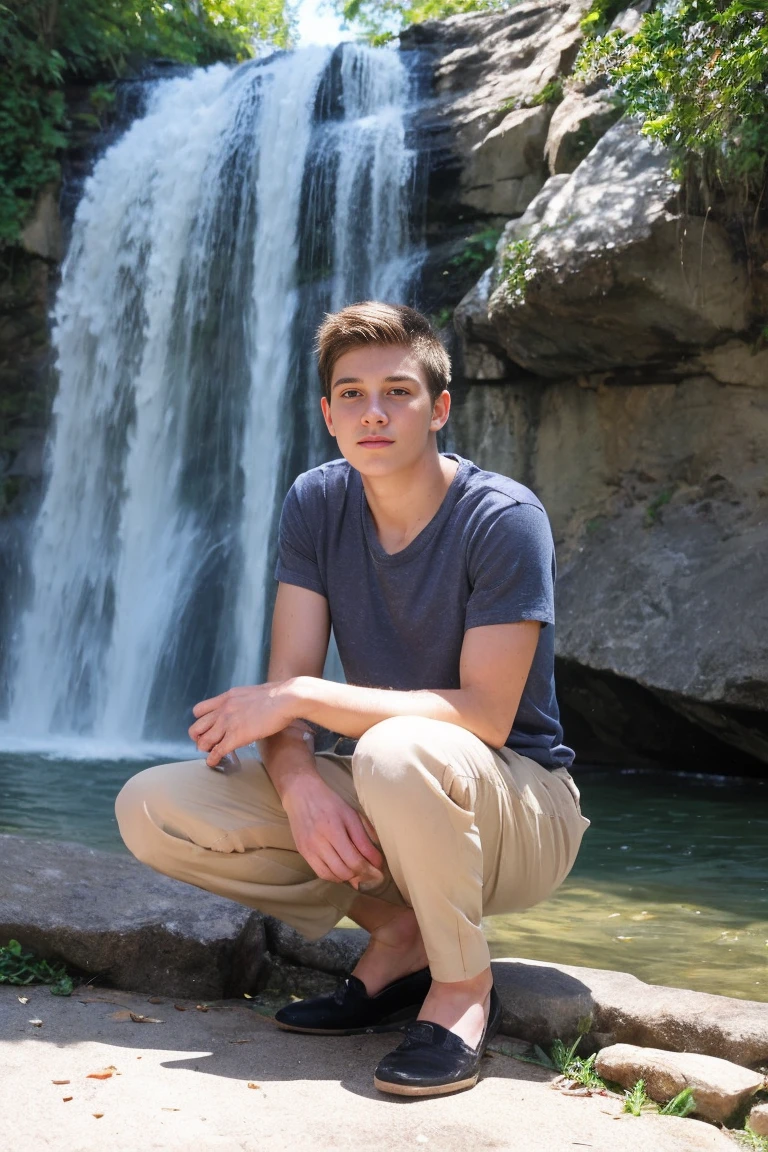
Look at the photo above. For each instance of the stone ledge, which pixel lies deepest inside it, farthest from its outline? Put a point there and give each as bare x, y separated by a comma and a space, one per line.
106, 914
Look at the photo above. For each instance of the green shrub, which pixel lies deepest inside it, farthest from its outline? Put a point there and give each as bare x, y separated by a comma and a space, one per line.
517, 268
696, 72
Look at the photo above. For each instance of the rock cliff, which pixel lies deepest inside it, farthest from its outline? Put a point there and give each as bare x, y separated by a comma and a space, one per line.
613, 358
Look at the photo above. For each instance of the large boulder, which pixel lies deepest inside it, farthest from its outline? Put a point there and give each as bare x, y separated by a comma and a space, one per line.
612, 274
543, 1002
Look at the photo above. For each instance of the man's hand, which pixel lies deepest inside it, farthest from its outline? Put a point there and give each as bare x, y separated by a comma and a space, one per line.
238, 717
334, 839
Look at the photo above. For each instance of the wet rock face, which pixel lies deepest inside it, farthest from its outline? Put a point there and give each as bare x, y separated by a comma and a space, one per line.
486, 146
612, 359
656, 494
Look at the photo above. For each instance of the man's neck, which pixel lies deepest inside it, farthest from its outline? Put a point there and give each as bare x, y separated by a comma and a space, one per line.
403, 504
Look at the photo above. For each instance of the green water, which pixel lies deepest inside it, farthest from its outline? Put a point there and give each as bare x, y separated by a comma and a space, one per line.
671, 882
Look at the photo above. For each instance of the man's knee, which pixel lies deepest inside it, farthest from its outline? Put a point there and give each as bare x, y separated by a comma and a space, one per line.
133, 819
386, 746
397, 753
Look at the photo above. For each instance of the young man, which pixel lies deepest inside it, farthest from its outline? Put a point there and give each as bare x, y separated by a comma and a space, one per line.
448, 795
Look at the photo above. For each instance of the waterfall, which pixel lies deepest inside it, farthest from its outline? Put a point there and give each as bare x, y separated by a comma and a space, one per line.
207, 245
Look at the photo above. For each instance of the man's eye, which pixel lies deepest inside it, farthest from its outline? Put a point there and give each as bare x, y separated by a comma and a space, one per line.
400, 391
350, 392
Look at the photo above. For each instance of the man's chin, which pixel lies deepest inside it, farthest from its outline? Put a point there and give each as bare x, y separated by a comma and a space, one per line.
375, 461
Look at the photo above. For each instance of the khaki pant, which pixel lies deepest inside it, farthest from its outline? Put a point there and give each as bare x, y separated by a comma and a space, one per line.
466, 831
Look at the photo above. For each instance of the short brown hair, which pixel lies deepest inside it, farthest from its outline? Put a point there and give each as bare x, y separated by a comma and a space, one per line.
372, 322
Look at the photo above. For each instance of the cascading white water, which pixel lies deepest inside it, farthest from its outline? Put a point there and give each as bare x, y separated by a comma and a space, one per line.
208, 243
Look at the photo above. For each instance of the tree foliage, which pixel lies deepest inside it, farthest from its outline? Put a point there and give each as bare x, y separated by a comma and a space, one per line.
696, 72
46, 43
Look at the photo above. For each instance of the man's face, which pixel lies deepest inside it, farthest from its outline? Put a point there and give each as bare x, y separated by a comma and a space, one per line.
381, 412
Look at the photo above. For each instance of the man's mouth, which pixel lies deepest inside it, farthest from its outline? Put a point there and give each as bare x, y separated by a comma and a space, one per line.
374, 442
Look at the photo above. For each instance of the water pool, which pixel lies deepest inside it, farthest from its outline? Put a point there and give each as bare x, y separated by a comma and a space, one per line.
671, 882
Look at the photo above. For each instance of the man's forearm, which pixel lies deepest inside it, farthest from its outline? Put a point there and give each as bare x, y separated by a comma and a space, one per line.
288, 756
352, 710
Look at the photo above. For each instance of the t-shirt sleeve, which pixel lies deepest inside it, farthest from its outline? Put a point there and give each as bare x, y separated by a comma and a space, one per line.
297, 560
512, 569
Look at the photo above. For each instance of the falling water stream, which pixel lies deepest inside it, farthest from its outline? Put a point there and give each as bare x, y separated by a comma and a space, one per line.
207, 245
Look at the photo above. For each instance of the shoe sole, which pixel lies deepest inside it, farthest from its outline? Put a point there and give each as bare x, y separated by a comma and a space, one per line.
396, 1026
429, 1090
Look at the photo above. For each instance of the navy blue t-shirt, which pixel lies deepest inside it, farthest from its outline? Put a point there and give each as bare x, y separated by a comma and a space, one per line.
486, 557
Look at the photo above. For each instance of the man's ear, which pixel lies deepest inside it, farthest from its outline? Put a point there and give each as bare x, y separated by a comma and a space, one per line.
440, 411
327, 415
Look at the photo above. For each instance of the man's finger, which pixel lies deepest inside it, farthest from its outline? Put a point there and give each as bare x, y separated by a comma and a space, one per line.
318, 866
207, 705
339, 869
216, 734
359, 836
201, 726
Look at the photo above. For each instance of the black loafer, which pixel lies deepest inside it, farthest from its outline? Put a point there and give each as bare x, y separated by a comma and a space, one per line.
350, 1011
432, 1061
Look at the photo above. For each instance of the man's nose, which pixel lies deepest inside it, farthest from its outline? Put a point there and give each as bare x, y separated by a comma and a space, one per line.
374, 412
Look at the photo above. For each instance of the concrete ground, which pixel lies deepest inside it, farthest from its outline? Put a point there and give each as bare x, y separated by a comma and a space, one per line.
229, 1079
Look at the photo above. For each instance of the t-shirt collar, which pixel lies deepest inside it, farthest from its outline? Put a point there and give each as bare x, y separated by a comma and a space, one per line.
427, 533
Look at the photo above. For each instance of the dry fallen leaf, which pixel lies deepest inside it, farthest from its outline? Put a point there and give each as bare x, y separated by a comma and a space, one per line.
201, 1007
170, 1109
241, 1041
155, 1000
137, 1018
247, 996
59, 1081
98, 1115
179, 1007
251, 1085
23, 999
65, 1098
104, 1074
37, 1023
